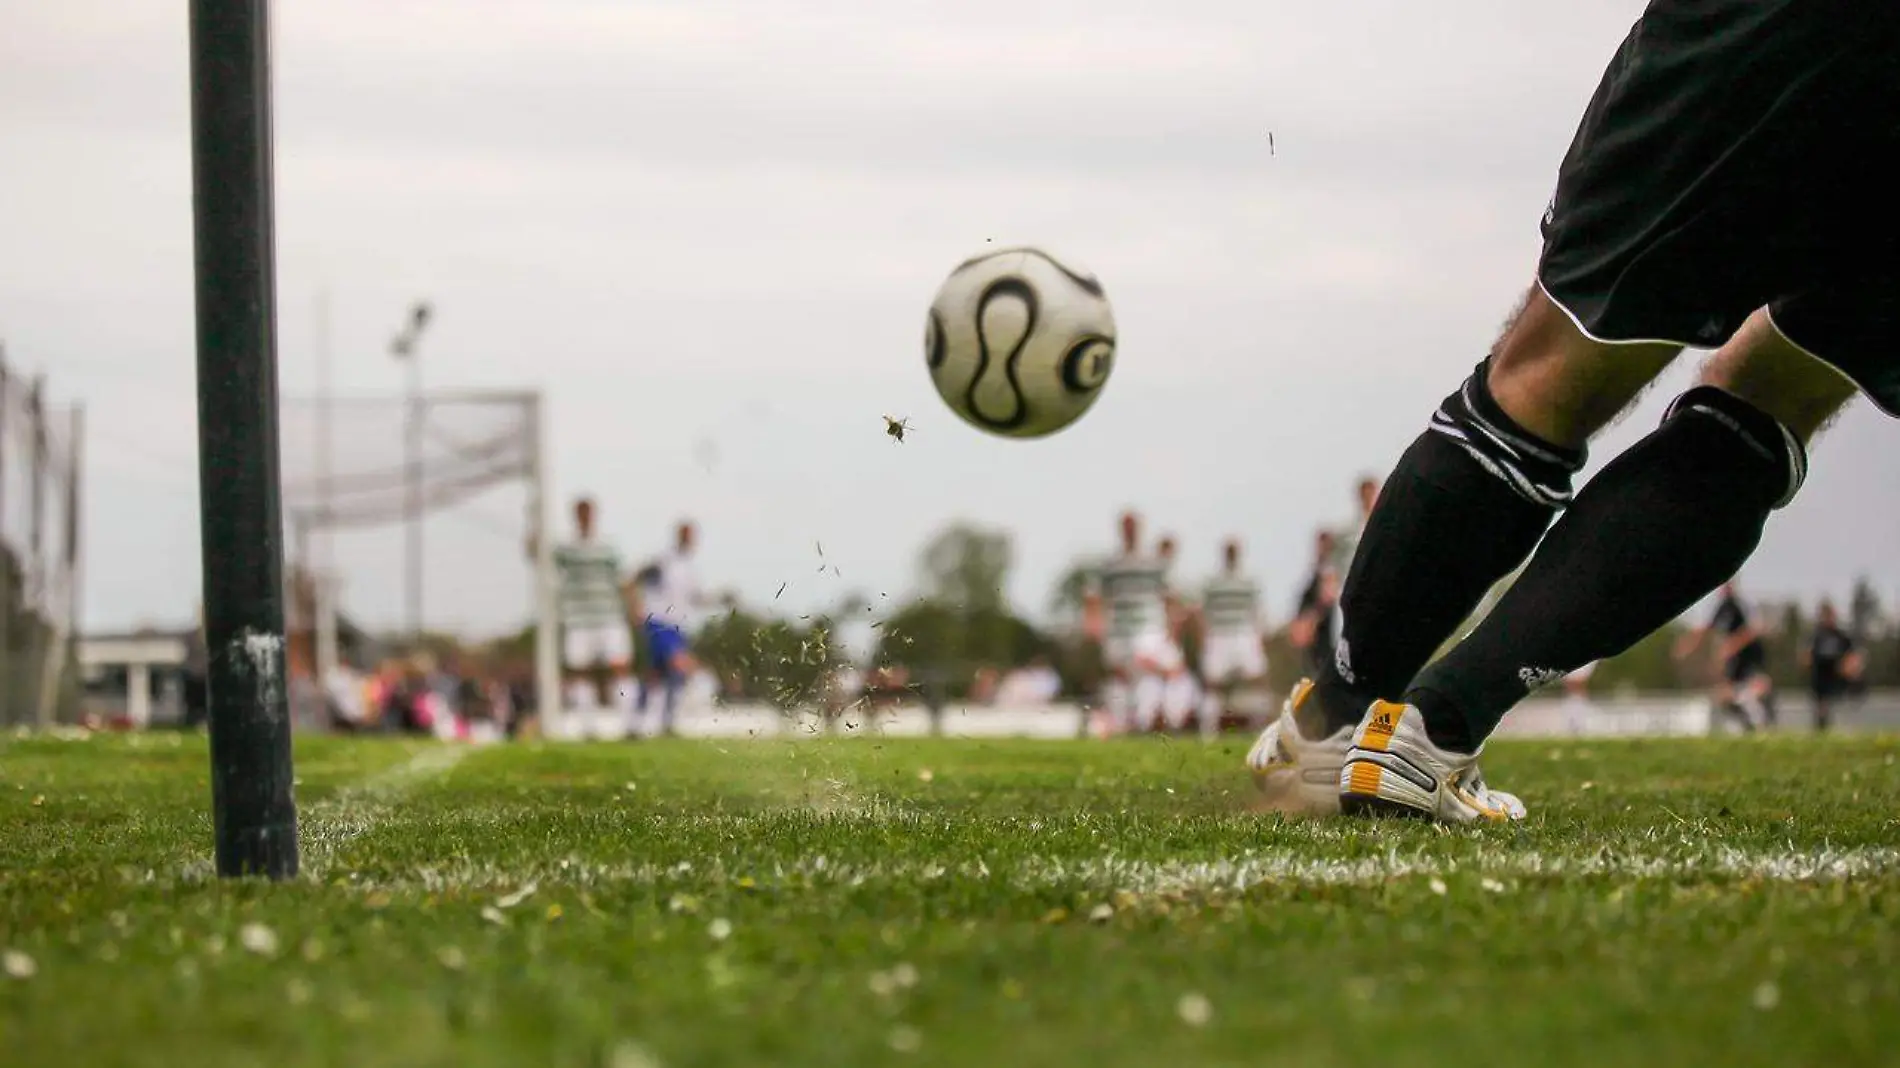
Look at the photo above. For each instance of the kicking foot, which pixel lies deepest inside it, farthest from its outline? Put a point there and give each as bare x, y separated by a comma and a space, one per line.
1297, 774
1393, 769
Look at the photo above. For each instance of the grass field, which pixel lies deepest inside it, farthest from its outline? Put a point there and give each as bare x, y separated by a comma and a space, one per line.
975, 903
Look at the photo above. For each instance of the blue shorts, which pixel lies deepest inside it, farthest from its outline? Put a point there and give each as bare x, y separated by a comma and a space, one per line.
665, 641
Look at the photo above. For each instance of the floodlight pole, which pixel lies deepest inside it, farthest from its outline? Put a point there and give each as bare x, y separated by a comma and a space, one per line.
241, 525
404, 348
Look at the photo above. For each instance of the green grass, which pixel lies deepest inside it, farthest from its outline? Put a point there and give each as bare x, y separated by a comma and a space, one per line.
1723, 902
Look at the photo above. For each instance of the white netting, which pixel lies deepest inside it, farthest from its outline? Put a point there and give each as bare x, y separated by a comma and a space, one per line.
39, 549
368, 480
468, 445
475, 463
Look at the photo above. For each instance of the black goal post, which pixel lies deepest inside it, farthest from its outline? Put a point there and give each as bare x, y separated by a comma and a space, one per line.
241, 524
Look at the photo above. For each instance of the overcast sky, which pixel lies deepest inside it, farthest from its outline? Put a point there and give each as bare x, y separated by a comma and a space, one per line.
708, 230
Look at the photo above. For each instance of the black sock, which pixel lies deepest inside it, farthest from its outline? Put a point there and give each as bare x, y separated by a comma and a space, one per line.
1660, 527
1464, 507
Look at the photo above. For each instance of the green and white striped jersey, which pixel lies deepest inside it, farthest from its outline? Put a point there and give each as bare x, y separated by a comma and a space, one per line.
1134, 589
588, 590
1231, 604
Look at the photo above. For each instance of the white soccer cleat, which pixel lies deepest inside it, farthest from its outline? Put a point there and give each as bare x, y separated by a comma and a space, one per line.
1297, 774
1393, 769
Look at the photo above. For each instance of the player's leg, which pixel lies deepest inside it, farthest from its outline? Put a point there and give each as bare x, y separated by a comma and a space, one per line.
1218, 675
1714, 172
1738, 702
1178, 704
1471, 497
1722, 698
1662, 526
1177, 686
1254, 681
1149, 687
1759, 694
616, 653
1116, 689
1118, 703
577, 660
1144, 684
1213, 676
671, 656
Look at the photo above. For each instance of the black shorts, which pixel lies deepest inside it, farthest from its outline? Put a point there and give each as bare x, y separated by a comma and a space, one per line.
1751, 661
1740, 154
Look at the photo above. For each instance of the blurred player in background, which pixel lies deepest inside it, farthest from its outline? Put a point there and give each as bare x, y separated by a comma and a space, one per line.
1744, 692
1716, 195
591, 602
1833, 663
1365, 495
671, 600
1233, 637
1177, 684
1313, 625
1128, 601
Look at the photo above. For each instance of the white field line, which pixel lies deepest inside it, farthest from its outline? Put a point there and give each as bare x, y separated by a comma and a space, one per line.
328, 825
1112, 873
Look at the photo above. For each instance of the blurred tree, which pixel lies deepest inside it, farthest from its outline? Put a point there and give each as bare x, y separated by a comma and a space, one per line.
1864, 620
963, 621
1649, 666
763, 659
966, 566
1065, 601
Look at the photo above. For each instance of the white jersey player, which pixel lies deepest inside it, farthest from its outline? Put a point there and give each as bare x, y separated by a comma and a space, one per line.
1178, 689
671, 599
1233, 636
1128, 601
592, 606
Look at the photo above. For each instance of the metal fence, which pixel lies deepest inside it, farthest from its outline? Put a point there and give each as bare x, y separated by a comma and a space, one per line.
40, 463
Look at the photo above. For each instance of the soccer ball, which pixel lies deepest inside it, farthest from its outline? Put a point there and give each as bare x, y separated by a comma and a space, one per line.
1019, 343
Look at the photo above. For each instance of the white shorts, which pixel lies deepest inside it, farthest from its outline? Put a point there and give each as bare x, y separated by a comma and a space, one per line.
1232, 657
603, 645
1120, 653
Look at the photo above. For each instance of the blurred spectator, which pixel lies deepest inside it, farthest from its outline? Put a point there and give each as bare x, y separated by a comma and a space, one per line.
1031, 685
983, 686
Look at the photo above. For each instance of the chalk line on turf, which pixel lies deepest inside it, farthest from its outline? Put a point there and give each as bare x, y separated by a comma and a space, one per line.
328, 825
1110, 872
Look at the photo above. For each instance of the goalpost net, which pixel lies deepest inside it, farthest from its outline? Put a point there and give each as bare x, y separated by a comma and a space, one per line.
416, 516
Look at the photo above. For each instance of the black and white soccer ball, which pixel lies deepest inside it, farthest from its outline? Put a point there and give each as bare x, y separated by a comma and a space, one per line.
1020, 343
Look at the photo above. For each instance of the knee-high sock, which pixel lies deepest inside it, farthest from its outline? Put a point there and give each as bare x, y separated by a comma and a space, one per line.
1660, 527
1464, 507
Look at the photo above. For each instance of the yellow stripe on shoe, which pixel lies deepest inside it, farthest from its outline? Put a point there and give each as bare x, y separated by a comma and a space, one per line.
1375, 779
1393, 768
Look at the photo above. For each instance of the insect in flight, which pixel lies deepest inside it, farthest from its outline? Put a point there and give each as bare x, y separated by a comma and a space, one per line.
896, 428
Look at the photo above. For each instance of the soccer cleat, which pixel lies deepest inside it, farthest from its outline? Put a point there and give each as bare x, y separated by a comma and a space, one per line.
1393, 769
1298, 774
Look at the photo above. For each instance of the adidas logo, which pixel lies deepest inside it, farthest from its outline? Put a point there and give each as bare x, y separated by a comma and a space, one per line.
1383, 722
1536, 678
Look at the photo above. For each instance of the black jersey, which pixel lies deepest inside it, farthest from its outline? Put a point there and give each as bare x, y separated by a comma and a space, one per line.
1828, 651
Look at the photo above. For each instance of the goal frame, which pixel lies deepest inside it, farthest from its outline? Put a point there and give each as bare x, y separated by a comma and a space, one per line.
318, 520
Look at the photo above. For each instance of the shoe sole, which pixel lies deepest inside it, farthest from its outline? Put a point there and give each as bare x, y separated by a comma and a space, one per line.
1372, 806
1374, 783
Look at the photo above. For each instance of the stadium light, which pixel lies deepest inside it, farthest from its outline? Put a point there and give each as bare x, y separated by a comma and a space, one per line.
241, 527
404, 347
